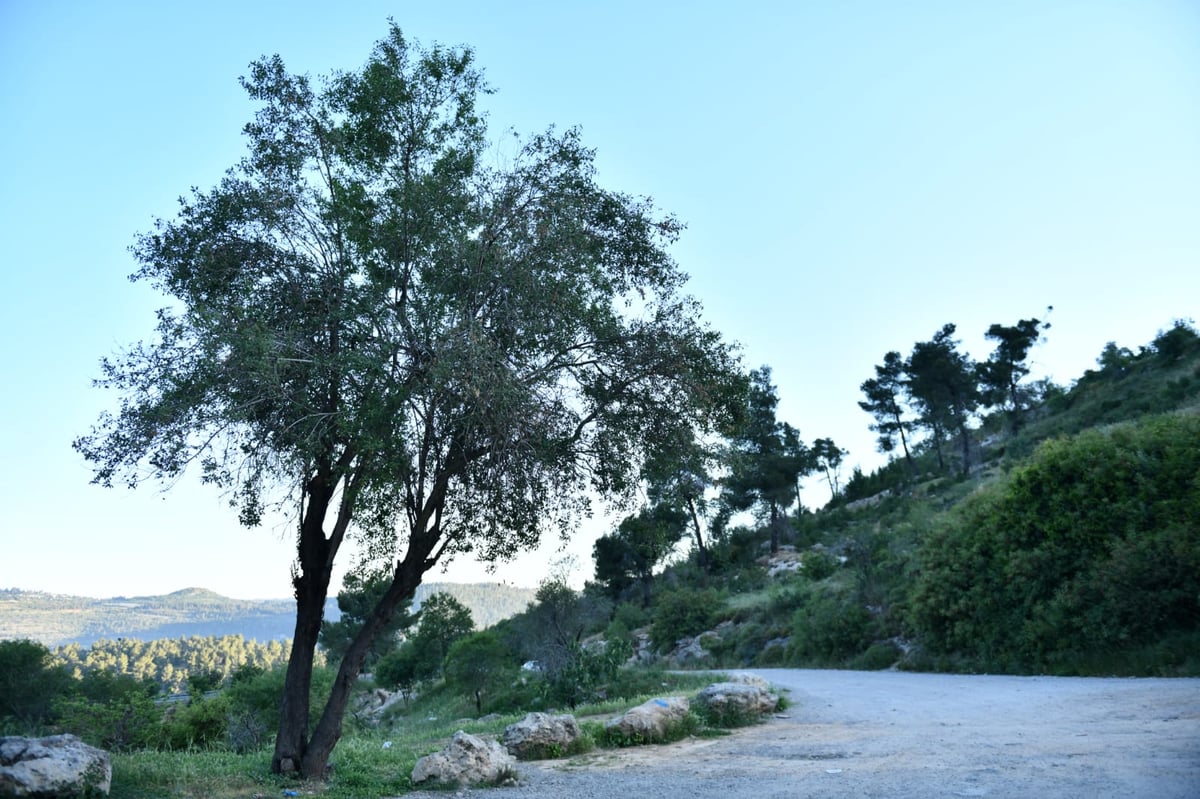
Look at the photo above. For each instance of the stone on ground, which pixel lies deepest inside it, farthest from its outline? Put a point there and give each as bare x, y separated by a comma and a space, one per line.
541, 735
57, 766
652, 720
467, 760
735, 703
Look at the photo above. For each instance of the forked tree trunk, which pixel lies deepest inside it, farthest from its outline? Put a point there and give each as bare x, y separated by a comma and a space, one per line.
329, 729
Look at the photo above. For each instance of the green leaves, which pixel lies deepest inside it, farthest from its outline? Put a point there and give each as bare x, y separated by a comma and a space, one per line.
1090, 547
371, 324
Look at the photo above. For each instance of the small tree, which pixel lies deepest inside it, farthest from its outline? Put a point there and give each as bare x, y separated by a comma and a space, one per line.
30, 681
1177, 342
443, 620
828, 457
478, 665
553, 627
400, 668
636, 547
679, 478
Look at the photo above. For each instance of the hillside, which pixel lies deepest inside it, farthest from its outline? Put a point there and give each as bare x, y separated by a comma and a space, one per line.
1071, 547
57, 620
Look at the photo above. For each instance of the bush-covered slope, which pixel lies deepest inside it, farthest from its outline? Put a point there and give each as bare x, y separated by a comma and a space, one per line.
1073, 546
1079, 560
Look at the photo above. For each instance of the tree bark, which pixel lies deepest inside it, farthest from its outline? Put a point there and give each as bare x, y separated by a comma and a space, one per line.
290, 743
311, 584
700, 548
329, 729
774, 528
405, 581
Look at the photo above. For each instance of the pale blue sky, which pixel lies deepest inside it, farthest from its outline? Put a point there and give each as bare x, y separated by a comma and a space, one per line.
853, 175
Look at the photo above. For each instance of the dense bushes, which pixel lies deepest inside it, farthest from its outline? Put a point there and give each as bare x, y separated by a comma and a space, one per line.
1091, 548
119, 713
29, 682
681, 613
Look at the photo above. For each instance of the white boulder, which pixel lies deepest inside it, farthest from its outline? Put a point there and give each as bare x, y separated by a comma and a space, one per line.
467, 760
734, 704
60, 765
541, 735
652, 720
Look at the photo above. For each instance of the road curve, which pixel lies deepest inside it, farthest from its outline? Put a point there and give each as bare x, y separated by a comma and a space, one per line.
898, 734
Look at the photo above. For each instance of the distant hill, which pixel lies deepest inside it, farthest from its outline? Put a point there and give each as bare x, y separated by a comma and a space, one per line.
57, 619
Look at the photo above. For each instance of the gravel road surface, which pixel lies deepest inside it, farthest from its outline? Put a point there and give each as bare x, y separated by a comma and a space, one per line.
896, 734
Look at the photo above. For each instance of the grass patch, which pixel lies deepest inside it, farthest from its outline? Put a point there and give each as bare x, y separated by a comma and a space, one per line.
192, 775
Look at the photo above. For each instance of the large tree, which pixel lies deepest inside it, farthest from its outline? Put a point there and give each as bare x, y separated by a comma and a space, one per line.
884, 394
766, 459
942, 385
679, 477
381, 328
1001, 374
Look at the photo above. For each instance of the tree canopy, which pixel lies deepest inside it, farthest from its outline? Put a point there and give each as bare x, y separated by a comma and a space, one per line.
374, 326
766, 458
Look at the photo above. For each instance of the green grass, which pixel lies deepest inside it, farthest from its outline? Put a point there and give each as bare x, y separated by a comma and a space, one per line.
361, 766
192, 775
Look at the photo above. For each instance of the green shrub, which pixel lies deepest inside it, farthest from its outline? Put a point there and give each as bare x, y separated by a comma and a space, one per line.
479, 666
30, 682
631, 616
254, 701
878, 656
829, 628
111, 711
1092, 547
200, 724
681, 613
585, 671
818, 564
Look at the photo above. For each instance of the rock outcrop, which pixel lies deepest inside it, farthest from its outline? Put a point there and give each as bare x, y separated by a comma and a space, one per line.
467, 760
651, 721
735, 704
540, 735
57, 766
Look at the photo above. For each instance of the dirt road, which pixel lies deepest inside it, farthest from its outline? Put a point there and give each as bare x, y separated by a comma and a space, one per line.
895, 734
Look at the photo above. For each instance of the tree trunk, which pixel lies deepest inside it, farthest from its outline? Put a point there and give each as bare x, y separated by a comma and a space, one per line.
311, 584
965, 439
329, 729
774, 528
290, 743
703, 553
908, 458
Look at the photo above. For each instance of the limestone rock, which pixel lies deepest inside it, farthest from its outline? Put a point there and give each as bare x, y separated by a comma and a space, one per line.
750, 679
734, 704
467, 760
652, 720
691, 651
57, 766
540, 735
